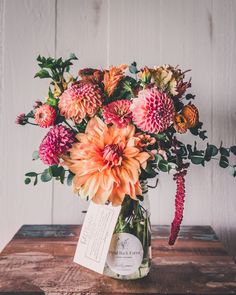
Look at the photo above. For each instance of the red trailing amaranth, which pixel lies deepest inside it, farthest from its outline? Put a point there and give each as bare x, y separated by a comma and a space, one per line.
179, 206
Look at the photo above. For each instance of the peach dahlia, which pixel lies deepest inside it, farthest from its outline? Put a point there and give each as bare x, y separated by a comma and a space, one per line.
79, 101
106, 163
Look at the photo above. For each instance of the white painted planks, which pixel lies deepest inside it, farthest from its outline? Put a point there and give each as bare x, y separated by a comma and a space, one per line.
224, 116
82, 29
28, 30
194, 34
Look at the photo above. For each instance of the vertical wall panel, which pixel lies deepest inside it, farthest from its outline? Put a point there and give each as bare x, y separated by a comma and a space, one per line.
199, 35
82, 29
134, 35
186, 40
224, 116
28, 31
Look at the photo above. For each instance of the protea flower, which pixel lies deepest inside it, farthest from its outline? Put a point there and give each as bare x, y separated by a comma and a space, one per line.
56, 143
106, 163
153, 111
79, 101
45, 116
118, 113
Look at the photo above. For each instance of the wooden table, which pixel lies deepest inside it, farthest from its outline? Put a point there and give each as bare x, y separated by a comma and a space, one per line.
38, 260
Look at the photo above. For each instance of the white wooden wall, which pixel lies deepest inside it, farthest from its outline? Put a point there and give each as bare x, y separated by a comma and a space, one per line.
196, 34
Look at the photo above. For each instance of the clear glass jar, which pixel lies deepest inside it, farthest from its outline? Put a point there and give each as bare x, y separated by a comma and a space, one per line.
129, 255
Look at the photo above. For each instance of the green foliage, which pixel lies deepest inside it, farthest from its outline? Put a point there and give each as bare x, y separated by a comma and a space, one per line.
54, 68
35, 155
46, 175
133, 68
197, 131
189, 96
70, 178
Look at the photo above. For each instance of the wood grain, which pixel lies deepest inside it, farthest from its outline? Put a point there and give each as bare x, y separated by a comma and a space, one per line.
39, 260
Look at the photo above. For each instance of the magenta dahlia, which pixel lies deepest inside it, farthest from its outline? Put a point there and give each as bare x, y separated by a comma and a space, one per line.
152, 110
118, 113
79, 101
56, 143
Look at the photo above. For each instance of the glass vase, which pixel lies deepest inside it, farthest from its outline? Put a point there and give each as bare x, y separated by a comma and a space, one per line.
129, 255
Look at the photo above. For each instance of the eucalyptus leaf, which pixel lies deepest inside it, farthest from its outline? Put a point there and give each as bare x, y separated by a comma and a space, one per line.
224, 162
46, 176
70, 178
31, 174
35, 155
224, 152
27, 180
233, 150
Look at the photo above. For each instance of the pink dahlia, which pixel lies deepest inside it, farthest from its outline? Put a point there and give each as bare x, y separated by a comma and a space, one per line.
56, 143
80, 100
45, 116
152, 110
118, 113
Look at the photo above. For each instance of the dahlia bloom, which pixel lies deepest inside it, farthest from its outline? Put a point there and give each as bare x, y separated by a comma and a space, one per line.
80, 100
118, 113
56, 143
45, 116
152, 110
144, 140
188, 118
106, 163
112, 78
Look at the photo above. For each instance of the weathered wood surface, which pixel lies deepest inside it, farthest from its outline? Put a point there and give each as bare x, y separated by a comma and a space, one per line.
39, 260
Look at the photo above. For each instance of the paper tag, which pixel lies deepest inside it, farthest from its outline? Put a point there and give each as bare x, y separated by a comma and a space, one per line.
95, 236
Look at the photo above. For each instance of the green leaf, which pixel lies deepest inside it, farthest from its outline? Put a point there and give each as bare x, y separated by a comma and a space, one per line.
214, 150
70, 178
197, 158
27, 180
224, 162
189, 96
31, 174
133, 68
36, 180
42, 74
55, 170
46, 176
35, 155
232, 171
210, 152
224, 152
62, 177
233, 150
163, 166
73, 57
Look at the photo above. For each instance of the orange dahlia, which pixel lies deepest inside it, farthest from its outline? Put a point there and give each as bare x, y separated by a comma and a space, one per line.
190, 112
106, 163
79, 101
188, 118
113, 77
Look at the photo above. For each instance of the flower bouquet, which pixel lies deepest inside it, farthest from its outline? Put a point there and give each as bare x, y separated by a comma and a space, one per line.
110, 130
